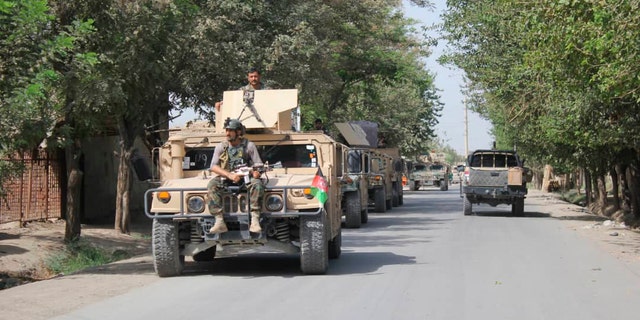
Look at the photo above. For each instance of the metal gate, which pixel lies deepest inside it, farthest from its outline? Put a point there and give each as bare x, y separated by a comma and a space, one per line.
36, 194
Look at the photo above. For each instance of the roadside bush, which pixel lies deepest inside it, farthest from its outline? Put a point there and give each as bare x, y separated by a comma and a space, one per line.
80, 255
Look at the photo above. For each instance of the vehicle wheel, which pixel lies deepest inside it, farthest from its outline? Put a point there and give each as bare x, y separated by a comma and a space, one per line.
466, 205
364, 215
335, 246
400, 195
395, 198
388, 203
167, 260
517, 208
205, 256
352, 214
416, 186
381, 201
314, 243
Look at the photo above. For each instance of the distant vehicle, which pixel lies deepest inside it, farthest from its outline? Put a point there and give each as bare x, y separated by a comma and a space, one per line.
430, 175
495, 177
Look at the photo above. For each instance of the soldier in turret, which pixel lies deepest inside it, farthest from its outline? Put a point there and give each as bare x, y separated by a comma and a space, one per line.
253, 77
228, 155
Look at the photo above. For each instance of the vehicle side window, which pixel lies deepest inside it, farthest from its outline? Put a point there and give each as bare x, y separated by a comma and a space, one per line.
512, 161
475, 161
354, 161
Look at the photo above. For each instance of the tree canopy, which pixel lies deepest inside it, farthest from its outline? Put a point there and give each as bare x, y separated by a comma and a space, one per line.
558, 79
69, 70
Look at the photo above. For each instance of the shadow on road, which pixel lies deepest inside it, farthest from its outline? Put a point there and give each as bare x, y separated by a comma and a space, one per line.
288, 266
507, 214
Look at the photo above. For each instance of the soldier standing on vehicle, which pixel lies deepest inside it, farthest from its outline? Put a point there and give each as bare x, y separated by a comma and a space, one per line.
253, 77
318, 125
228, 155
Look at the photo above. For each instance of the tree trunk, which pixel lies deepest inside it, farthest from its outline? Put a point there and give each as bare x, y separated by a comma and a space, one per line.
578, 182
615, 183
587, 186
74, 187
624, 187
127, 136
632, 179
602, 195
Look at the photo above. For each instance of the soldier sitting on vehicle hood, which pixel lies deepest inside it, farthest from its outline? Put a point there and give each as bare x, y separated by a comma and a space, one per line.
228, 155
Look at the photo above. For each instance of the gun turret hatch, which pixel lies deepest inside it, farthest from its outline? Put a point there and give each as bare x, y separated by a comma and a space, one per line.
266, 109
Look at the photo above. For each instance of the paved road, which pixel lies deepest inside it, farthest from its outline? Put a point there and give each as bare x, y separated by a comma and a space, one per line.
423, 260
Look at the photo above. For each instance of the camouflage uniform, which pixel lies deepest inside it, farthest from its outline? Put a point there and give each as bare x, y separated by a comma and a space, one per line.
229, 158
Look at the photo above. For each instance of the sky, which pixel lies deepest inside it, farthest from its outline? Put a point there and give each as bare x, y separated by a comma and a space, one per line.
449, 83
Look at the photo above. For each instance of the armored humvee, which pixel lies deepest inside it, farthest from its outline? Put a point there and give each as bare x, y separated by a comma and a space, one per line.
366, 170
393, 170
430, 175
293, 218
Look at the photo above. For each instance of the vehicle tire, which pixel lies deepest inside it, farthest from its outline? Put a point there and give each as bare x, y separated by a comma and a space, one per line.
364, 215
466, 205
314, 244
400, 195
335, 246
395, 198
517, 208
388, 203
353, 209
415, 186
381, 200
167, 260
206, 255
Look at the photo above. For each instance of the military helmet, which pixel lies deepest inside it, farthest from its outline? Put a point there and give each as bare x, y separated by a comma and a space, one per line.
233, 124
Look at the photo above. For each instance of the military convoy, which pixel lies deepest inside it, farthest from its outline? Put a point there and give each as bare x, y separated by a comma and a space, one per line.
379, 170
298, 167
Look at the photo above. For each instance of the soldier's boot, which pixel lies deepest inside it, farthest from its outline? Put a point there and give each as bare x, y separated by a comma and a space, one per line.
219, 226
255, 223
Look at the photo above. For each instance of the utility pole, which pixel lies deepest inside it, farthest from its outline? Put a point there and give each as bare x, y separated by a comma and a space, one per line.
466, 130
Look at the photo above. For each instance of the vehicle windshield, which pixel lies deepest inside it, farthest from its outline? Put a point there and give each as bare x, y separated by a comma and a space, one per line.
289, 156
197, 159
494, 160
419, 167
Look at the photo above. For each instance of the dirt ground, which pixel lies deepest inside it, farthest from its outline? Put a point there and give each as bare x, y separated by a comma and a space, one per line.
23, 250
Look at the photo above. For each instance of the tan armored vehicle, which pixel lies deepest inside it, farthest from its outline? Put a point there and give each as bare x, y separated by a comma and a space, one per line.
366, 174
430, 175
393, 170
293, 219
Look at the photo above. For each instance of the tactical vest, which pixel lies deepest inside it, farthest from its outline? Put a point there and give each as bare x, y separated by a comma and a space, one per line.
233, 156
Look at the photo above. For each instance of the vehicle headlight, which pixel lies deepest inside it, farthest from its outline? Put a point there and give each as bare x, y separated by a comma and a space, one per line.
195, 204
273, 202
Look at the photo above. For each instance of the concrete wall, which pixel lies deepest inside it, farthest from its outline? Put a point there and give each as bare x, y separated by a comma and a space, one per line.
101, 177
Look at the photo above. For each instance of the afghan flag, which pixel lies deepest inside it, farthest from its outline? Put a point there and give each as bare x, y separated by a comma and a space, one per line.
319, 187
